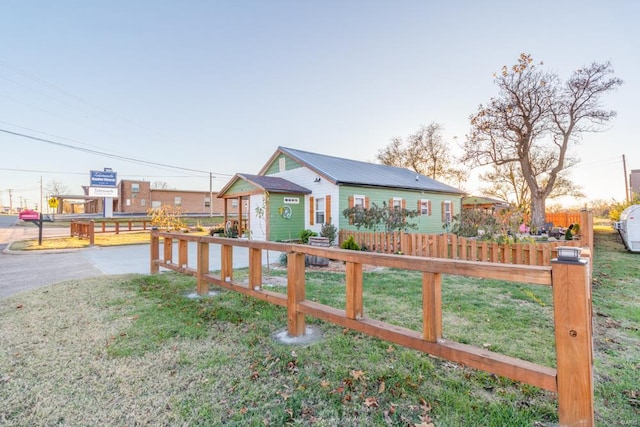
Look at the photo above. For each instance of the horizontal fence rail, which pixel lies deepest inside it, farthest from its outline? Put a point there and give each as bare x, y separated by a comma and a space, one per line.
572, 380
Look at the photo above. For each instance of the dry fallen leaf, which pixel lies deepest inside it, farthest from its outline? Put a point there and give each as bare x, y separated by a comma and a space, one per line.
357, 375
371, 402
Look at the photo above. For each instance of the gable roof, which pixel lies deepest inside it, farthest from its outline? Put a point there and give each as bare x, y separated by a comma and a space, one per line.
272, 184
353, 172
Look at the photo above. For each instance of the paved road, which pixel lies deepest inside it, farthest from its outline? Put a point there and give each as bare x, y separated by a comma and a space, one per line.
24, 270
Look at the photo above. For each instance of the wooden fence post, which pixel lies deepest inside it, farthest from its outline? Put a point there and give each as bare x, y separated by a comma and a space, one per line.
255, 268
354, 290
155, 253
586, 229
226, 262
183, 253
168, 250
202, 286
574, 347
295, 293
432, 306
92, 232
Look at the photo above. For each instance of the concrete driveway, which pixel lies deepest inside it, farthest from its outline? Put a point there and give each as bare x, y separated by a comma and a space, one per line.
21, 271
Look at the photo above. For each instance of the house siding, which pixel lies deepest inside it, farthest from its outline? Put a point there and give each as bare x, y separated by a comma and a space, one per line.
257, 217
426, 223
281, 228
307, 178
274, 167
241, 187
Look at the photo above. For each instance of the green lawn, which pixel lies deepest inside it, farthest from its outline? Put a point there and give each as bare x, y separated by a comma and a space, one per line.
133, 349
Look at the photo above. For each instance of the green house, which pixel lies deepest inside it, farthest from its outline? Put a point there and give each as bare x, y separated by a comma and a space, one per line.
297, 190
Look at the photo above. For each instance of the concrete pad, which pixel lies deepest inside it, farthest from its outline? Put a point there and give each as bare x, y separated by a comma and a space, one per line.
310, 336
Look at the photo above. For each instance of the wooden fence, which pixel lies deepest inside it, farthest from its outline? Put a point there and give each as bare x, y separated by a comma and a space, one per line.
118, 226
83, 230
572, 379
87, 229
451, 246
564, 219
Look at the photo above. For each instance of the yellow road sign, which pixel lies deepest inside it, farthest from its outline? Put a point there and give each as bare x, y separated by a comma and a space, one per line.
53, 203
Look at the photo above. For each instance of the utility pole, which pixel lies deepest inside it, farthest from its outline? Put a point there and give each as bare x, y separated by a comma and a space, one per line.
210, 194
10, 201
626, 178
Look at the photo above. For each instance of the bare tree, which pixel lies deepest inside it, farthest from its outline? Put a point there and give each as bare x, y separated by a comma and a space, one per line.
56, 188
507, 183
538, 118
425, 152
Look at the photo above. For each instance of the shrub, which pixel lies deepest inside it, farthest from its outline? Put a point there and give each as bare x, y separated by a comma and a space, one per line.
329, 231
218, 228
568, 235
167, 218
350, 244
305, 234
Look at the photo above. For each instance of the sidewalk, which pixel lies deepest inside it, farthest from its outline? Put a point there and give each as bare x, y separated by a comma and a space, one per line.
25, 270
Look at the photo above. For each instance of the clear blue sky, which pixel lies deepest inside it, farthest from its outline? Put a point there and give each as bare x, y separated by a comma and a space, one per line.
216, 86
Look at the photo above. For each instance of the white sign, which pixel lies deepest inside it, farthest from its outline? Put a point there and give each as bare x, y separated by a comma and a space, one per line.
103, 192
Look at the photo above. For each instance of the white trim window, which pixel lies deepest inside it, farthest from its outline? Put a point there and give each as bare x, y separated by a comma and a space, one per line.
177, 201
397, 203
359, 201
424, 207
320, 210
447, 211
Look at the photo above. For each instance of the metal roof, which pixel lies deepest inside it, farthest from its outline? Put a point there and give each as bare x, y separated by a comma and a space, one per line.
275, 184
272, 184
354, 172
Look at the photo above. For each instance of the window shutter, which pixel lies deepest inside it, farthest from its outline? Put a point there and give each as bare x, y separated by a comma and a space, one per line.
419, 207
390, 203
366, 203
351, 201
327, 209
312, 210
403, 204
442, 208
429, 204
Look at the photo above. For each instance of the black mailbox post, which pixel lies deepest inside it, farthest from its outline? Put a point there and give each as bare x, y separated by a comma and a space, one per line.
37, 218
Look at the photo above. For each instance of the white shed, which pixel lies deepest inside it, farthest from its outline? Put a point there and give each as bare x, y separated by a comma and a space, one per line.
629, 228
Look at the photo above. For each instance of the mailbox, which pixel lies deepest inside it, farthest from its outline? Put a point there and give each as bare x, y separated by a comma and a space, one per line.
29, 215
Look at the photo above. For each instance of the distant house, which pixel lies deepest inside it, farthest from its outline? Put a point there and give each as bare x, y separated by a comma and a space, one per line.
485, 203
298, 190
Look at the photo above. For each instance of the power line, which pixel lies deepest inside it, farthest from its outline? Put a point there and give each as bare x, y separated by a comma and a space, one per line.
101, 153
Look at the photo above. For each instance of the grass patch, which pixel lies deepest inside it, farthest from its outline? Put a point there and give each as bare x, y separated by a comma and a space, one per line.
133, 350
100, 239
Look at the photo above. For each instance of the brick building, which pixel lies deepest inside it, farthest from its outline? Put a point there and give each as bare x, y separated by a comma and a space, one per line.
138, 197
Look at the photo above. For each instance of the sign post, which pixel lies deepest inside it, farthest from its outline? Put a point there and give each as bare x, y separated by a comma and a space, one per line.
105, 180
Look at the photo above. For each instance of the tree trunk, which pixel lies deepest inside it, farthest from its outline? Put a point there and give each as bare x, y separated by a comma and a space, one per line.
538, 216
